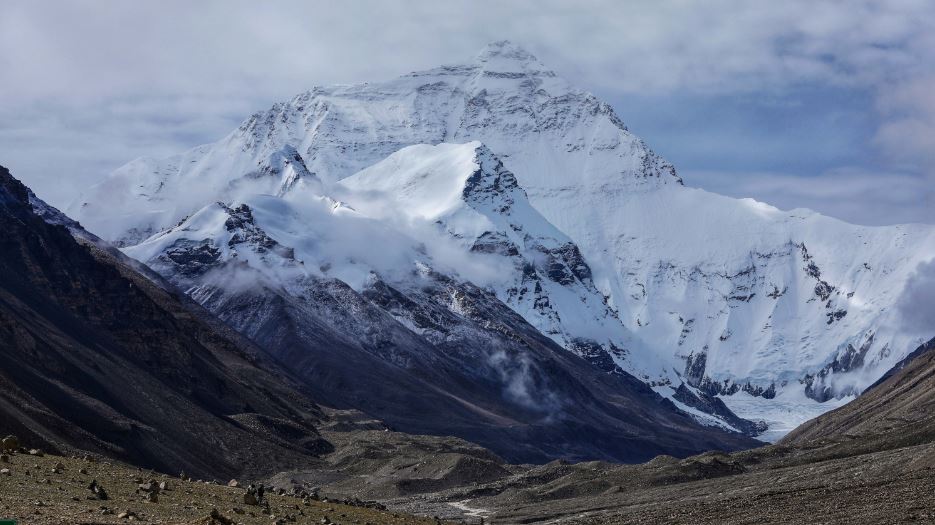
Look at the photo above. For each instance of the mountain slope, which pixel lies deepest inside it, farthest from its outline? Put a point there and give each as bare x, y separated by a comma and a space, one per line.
774, 311
362, 310
98, 357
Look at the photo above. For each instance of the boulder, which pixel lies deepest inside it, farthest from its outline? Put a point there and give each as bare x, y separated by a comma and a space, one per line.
150, 486
97, 491
9, 444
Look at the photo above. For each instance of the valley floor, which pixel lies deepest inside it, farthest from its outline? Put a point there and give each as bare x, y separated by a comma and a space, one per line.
884, 477
869, 489
35, 494
887, 477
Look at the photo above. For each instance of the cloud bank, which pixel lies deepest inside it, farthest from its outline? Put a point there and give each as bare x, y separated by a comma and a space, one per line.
88, 86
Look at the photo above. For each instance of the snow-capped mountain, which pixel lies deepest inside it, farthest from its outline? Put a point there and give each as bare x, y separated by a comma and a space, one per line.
501, 174
464, 192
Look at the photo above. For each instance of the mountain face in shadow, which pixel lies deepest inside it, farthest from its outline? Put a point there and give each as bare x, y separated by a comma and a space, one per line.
96, 356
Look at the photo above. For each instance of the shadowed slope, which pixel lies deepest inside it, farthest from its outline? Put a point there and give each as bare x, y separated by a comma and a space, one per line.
98, 357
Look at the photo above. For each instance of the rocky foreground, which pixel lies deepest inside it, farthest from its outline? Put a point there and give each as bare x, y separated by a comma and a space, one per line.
37, 488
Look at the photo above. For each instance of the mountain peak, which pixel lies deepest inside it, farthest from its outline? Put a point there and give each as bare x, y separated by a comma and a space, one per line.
503, 67
505, 50
506, 58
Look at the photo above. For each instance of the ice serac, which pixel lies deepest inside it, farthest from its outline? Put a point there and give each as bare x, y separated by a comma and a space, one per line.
776, 311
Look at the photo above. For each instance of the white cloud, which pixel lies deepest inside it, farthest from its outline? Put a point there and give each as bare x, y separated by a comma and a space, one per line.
917, 304
908, 132
88, 85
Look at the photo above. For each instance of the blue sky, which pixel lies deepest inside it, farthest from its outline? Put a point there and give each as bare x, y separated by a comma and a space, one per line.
827, 105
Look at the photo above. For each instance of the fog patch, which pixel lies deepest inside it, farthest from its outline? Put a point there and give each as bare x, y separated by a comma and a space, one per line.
917, 304
522, 383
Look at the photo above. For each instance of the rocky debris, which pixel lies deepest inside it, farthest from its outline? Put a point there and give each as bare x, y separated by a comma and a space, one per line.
259, 490
149, 486
58, 468
4, 472
187, 503
97, 491
150, 489
233, 483
4, 458
36, 452
10, 443
214, 518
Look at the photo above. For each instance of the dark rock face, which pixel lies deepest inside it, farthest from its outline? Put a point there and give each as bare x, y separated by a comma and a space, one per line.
596, 355
695, 366
823, 290
193, 259
709, 404
497, 243
849, 359
96, 356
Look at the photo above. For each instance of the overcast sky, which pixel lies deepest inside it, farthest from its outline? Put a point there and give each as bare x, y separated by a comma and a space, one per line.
825, 105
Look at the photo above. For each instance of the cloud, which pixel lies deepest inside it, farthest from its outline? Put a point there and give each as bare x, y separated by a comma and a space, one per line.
917, 303
111, 45
908, 132
87, 86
